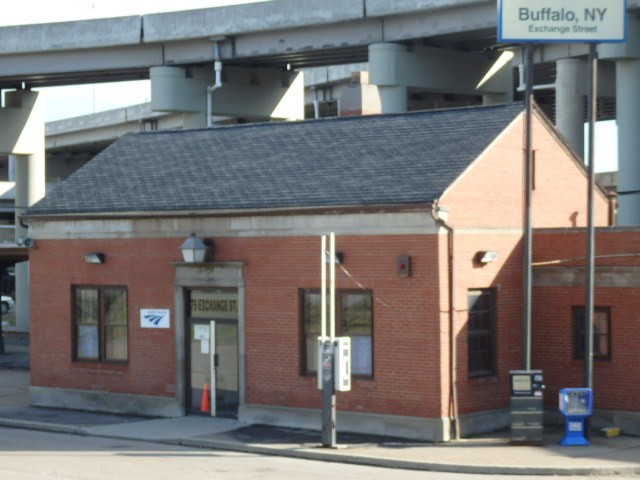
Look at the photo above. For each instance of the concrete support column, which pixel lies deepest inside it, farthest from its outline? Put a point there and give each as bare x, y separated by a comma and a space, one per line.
394, 99
358, 97
570, 97
253, 93
22, 137
496, 98
628, 119
386, 70
30, 184
30, 187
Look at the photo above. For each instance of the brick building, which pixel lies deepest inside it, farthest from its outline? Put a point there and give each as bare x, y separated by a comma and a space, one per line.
431, 350
558, 339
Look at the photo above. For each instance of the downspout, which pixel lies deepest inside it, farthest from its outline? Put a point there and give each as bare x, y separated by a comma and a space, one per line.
316, 103
453, 351
217, 66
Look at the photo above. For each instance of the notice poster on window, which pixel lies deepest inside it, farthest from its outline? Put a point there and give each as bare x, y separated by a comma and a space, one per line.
154, 318
361, 357
201, 332
88, 341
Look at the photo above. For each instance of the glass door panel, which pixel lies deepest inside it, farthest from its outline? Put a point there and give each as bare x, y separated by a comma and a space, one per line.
227, 368
200, 367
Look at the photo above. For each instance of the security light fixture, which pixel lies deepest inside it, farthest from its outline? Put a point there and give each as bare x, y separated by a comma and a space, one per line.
94, 257
193, 249
488, 256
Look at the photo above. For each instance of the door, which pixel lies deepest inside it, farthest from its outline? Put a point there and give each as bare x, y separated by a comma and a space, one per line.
213, 373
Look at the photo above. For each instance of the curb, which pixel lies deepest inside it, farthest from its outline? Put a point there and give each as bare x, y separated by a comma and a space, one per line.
372, 461
306, 453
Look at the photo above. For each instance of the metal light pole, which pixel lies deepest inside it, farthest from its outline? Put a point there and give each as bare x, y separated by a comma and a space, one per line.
590, 274
528, 170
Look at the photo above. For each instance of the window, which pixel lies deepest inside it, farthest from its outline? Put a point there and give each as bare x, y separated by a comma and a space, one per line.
481, 332
354, 318
601, 332
100, 324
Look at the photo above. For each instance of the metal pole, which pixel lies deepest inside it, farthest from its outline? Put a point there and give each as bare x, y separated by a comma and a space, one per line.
528, 168
591, 238
327, 358
323, 289
590, 274
328, 396
332, 287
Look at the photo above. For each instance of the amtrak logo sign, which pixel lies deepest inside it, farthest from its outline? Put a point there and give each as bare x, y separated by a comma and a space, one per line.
154, 318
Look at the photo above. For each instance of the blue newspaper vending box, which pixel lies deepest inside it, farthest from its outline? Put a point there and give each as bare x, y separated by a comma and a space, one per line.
576, 404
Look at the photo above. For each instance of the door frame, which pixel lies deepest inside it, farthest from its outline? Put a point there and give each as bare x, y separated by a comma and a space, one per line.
204, 276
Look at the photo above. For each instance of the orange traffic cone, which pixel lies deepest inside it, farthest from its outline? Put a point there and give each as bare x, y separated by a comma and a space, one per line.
205, 404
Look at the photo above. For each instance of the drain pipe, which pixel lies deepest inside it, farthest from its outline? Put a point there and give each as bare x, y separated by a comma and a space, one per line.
316, 103
217, 66
453, 351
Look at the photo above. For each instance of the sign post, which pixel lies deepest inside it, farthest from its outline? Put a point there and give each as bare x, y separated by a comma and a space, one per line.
326, 345
565, 21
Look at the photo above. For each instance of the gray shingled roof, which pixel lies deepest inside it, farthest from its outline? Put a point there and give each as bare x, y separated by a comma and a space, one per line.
354, 161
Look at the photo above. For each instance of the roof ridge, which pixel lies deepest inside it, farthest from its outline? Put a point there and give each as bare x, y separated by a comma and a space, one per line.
350, 118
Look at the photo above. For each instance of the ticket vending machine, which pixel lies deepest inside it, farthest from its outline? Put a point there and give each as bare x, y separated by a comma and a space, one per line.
576, 404
527, 407
336, 356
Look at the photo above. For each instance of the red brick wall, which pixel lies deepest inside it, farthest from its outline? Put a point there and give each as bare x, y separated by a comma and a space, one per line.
615, 381
490, 193
143, 266
505, 275
486, 208
406, 317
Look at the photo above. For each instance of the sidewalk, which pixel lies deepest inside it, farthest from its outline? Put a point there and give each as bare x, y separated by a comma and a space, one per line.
488, 454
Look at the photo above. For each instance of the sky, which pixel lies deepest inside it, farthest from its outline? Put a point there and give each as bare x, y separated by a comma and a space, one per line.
72, 101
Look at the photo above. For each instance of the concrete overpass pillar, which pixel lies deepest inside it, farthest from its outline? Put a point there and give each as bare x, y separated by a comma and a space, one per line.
252, 93
627, 57
628, 119
571, 77
496, 98
386, 63
359, 97
22, 136
395, 69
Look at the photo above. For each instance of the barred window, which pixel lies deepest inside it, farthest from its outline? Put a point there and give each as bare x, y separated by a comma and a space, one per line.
601, 332
100, 324
354, 318
481, 332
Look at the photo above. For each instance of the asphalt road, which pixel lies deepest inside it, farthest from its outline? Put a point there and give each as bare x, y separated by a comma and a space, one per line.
30, 455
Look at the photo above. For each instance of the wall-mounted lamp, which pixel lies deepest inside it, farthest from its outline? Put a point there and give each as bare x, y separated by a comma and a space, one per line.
486, 256
25, 242
193, 249
94, 257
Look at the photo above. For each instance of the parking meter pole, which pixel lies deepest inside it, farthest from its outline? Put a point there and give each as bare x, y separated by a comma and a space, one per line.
328, 397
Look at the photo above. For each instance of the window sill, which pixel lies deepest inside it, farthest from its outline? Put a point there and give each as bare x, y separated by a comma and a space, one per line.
368, 378
97, 364
488, 379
